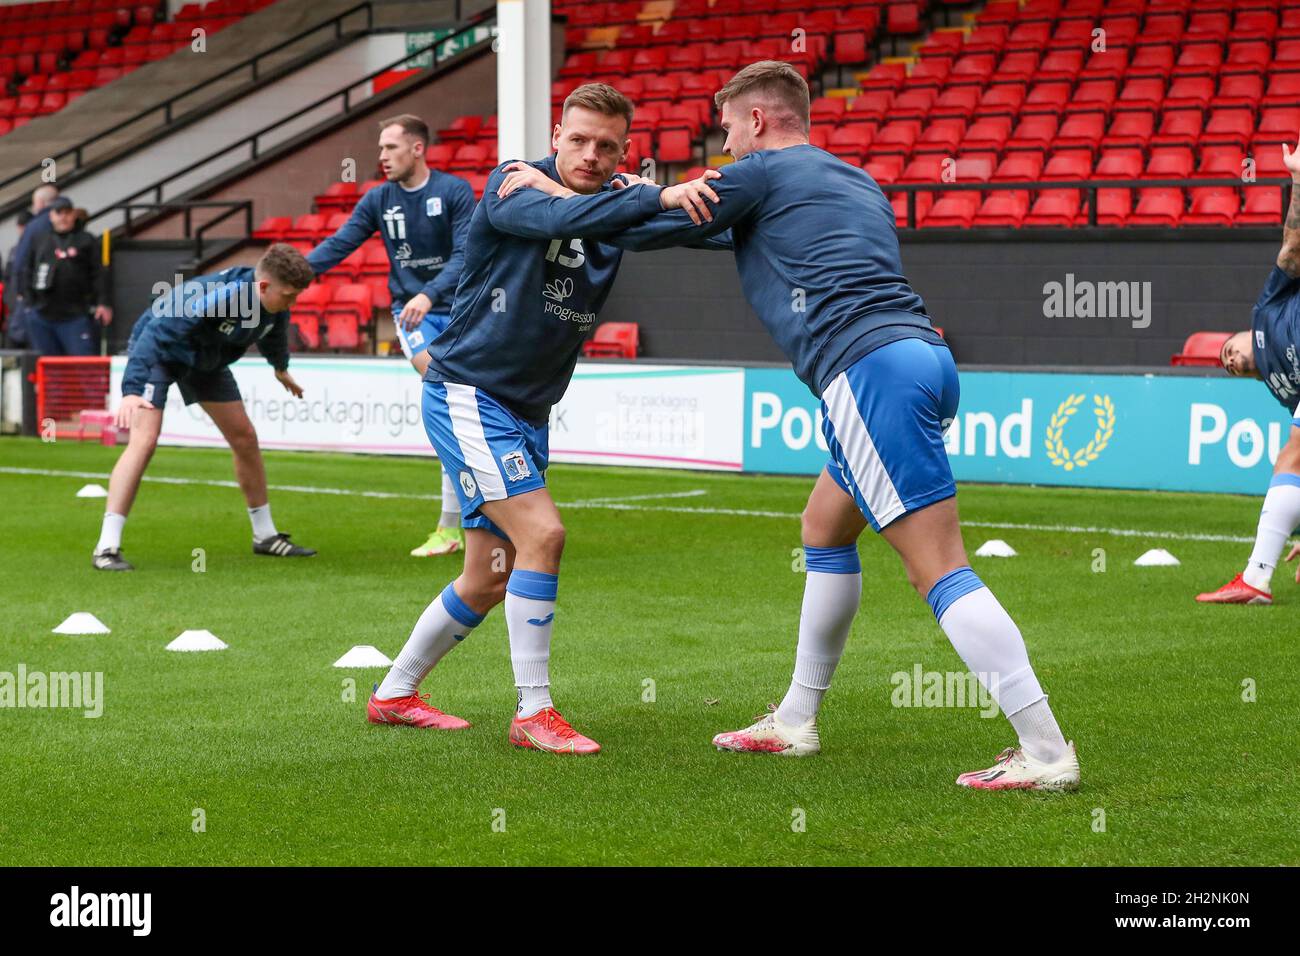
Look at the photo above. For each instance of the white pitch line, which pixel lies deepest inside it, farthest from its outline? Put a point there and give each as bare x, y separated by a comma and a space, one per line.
314, 490
627, 504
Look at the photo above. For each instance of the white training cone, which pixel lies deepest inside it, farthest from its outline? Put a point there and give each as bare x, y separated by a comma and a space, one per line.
363, 655
82, 622
92, 491
997, 548
197, 641
1156, 558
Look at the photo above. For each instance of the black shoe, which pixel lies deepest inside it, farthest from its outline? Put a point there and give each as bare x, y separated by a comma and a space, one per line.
110, 560
279, 546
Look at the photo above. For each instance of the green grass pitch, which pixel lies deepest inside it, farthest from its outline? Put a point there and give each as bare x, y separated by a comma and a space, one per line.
265, 739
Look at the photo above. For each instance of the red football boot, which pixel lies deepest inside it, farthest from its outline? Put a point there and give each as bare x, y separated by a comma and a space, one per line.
413, 711
1236, 591
547, 730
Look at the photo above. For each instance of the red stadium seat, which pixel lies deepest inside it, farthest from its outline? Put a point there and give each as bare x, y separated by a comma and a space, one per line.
1054, 207
1263, 207
349, 309
1201, 348
953, 210
614, 340
1213, 206
1004, 209
1158, 206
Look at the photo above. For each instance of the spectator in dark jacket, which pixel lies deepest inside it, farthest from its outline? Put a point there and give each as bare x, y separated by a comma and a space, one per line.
63, 286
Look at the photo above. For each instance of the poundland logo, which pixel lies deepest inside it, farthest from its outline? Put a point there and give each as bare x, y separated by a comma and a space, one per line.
103, 909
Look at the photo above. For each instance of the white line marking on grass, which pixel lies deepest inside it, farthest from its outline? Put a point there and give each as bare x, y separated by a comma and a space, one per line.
629, 504
314, 490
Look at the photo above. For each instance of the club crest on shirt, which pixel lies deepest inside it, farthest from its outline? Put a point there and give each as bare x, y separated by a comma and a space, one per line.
1259, 338
516, 466
433, 206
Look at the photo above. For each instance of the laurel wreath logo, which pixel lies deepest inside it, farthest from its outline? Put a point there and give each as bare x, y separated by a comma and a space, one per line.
1059, 454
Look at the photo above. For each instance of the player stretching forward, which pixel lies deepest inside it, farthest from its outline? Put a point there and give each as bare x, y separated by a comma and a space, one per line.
818, 256
191, 338
534, 280
423, 216
1267, 351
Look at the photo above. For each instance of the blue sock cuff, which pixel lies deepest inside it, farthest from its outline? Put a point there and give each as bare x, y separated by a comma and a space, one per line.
949, 588
535, 585
842, 560
458, 609
1285, 479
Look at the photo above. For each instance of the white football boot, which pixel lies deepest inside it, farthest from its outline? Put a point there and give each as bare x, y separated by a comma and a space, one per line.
1016, 770
769, 736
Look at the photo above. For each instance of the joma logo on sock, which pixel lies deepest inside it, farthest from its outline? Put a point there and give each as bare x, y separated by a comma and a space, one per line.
922, 688
103, 909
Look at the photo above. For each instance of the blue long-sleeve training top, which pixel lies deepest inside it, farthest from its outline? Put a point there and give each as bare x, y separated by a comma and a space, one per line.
535, 278
817, 251
208, 323
1275, 337
424, 231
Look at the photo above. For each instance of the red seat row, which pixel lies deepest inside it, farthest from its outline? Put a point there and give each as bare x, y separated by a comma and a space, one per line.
1156, 206
339, 310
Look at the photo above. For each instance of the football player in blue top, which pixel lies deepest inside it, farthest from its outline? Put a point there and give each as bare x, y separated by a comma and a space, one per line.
422, 215
189, 337
1270, 350
817, 250
537, 271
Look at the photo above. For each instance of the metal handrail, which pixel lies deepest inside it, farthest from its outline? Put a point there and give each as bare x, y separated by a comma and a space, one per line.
231, 206
166, 105
1090, 186
251, 140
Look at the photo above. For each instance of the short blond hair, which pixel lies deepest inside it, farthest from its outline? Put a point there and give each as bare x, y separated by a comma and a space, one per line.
287, 265
411, 125
600, 98
774, 82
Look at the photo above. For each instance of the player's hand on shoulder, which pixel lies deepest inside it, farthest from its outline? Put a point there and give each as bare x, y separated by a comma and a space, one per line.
284, 378
691, 196
126, 411
520, 175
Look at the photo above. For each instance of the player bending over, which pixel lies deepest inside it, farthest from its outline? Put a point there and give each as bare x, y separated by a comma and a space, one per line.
423, 217
535, 277
818, 256
1268, 351
191, 339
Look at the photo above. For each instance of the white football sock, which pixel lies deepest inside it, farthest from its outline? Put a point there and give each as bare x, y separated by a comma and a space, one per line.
530, 614
445, 623
450, 503
990, 645
110, 533
831, 594
1040, 737
263, 526
1277, 519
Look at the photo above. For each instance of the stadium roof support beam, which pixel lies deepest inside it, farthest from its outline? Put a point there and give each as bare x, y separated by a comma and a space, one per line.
523, 79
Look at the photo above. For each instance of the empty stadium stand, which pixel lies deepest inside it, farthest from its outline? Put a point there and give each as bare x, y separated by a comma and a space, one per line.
54, 52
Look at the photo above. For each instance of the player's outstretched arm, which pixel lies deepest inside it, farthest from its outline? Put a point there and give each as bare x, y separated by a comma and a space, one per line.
738, 190
361, 225
1288, 260
528, 212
